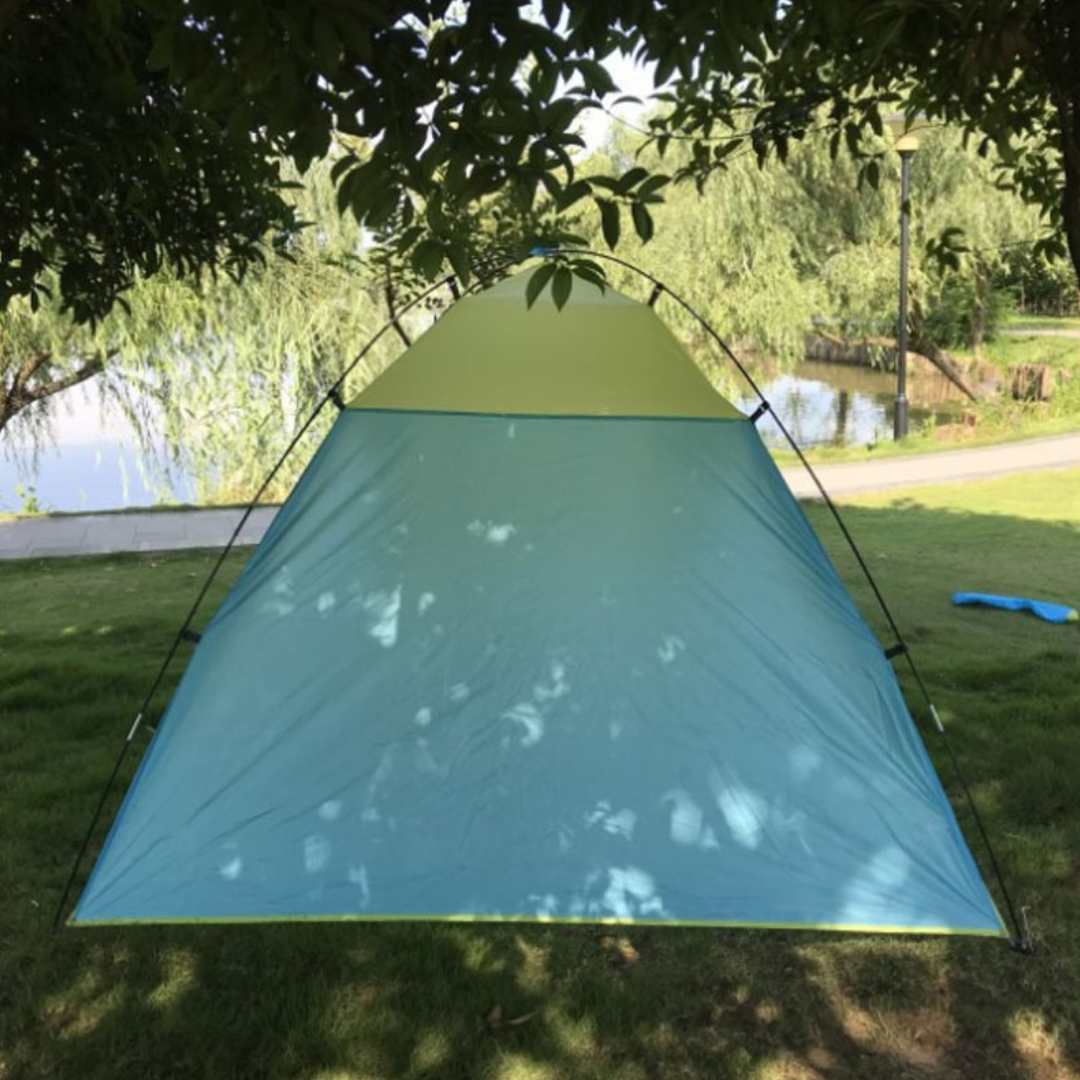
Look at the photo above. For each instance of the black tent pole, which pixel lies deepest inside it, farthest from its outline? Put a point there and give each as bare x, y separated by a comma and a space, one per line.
1021, 942
333, 394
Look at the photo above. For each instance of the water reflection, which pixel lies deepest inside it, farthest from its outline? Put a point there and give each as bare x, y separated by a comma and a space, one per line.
824, 404
95, 465
92, 462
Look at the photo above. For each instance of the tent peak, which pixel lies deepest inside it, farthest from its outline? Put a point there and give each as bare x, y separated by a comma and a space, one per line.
603, 354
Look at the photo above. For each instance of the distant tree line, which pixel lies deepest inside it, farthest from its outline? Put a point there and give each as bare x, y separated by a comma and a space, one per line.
225, 372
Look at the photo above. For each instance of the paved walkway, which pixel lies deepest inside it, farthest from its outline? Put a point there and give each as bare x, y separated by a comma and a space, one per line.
94, 534
942, 467
159, 530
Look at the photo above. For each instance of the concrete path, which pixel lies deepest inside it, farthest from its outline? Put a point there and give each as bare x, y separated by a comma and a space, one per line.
93, 534
942, 467
97, 534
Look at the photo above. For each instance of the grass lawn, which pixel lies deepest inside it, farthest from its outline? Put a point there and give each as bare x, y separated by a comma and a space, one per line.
1043, 322
79, 639
1008, 349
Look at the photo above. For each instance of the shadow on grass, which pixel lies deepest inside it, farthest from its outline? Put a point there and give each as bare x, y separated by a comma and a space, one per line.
442, 1001
431, 1001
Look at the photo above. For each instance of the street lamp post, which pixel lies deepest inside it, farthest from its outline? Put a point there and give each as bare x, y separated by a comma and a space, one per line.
906, 146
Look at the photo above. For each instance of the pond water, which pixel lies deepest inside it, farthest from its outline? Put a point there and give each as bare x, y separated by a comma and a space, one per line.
824, 404
94, 463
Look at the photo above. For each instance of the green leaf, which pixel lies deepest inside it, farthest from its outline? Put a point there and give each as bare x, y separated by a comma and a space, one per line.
427, 258
605, 182
541, 276
589, 271
543, 79
326, 44
561, 286
459, 260
382, 207
665, 68
342, 165
652, 184
630, 178
348, 191
161, 54
609, 221
643, 221
579, 189
552, 12
597, 77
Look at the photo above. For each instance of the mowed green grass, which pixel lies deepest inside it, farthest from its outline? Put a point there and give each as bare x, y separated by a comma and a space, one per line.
1019, 348
1019, 320
80, 638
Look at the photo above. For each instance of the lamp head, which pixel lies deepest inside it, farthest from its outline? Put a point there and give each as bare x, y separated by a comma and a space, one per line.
905, 140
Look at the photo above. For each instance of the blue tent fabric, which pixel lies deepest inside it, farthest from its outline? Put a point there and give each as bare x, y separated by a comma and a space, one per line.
1044, 609
438, 691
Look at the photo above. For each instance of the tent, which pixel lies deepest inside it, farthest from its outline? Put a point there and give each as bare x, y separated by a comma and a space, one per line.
540, 634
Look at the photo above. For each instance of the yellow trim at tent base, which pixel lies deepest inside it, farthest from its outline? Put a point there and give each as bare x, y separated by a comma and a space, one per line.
557, 920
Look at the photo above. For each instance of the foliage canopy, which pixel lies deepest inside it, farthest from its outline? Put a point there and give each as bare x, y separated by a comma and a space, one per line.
145, 130
111, 170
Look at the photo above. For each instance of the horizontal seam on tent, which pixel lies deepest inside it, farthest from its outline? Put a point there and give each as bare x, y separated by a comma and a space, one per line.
854, 928
548, 416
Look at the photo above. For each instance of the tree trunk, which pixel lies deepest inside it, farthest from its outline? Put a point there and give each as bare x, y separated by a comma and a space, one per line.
938, 356
843, 410
1070, 213
947, 366
1065, 23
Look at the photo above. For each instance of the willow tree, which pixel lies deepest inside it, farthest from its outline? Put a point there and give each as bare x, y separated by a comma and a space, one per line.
728, 248
219, 375
768, 251
848, 230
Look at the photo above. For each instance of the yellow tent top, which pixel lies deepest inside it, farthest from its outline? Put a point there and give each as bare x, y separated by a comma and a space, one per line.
602, 355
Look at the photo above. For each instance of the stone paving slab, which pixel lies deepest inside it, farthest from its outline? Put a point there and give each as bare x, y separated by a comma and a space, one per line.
170, 530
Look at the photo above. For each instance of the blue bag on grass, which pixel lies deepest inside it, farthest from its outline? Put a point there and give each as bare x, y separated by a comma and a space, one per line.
1054, 613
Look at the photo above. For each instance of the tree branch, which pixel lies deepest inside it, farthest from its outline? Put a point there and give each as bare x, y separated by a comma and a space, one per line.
937, 356
27, 369
18, 396
90, 367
